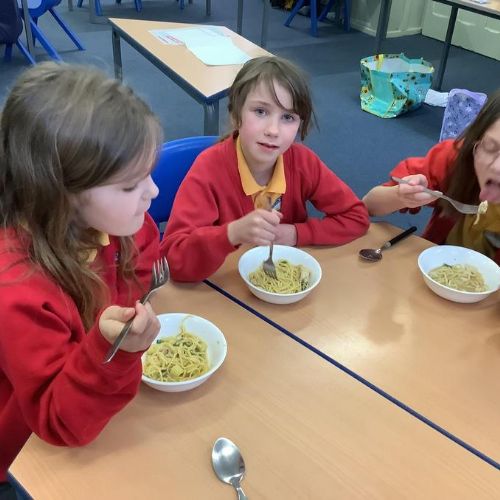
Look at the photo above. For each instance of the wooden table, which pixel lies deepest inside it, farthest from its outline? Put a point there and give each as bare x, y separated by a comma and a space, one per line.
306, 430
380, 320
205, 84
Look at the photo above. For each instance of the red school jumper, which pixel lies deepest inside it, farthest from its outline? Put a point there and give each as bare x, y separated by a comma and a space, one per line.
436, 166
52, 380
211, 196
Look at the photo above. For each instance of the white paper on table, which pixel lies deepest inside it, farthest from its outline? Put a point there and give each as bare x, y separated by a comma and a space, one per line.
207, 43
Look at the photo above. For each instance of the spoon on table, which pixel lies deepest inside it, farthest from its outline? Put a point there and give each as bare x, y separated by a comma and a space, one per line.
374, 255
228, 464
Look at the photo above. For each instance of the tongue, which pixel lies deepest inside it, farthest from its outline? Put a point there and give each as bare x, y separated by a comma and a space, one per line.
490, 192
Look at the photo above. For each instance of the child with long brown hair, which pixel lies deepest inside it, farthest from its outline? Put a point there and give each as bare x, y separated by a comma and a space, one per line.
76, 251
466, 169
225, 198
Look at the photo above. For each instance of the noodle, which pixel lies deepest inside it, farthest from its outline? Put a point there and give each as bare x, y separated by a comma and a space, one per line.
481, 209
177, 358
463, 277
290, 278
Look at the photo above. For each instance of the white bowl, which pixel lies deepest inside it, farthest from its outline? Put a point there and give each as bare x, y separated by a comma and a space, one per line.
216, 348
436, 256
252, 259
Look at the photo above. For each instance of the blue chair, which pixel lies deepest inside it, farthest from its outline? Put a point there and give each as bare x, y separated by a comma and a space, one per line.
175, 159
322, 16
11, 27
36, 9
98, 8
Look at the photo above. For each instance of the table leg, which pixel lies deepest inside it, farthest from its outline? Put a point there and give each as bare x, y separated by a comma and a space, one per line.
446, 48
117, 55
211, 118
383, 22
27, 28
265, 23
70, 5
239, 19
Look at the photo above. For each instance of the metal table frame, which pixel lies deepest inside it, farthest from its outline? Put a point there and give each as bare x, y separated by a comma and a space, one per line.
449, 33
210, 105
383, 21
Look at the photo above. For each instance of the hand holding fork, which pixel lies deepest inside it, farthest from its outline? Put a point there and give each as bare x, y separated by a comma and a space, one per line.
160, 276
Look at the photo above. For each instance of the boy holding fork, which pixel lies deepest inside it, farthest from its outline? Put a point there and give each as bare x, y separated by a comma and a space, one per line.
223, 201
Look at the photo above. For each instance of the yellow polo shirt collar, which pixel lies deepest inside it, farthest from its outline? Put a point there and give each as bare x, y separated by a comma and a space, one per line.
261, 194
103, 242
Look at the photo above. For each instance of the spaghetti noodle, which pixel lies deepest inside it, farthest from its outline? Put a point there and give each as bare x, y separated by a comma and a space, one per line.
177, 358
462, 277
290, 278
481, 209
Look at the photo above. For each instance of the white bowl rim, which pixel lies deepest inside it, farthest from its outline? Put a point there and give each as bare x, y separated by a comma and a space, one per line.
207, 374
466, 294
275, 294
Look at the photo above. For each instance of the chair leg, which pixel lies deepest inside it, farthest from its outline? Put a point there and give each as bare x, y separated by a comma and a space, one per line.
25, 52
138, 5
294, 11
347, 15
67, 29
326, 9
8, 53
79, 3
181, 4
45, 43
314, 18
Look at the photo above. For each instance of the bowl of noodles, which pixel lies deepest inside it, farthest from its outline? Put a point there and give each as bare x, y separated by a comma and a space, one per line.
186, 352
459, 274
298, 273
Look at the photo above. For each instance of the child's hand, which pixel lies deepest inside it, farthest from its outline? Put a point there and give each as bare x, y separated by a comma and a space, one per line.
145, 326
286, 234
256, 228
412, 195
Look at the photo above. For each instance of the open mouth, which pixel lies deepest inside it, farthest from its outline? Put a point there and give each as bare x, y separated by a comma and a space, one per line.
491, 191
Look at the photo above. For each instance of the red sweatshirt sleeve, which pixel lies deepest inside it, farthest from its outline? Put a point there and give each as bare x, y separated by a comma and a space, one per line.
434, 165
345, 215
64, 392
194, 243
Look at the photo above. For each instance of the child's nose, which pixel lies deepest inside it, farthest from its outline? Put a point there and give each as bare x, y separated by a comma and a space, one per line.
272, 127
152, 190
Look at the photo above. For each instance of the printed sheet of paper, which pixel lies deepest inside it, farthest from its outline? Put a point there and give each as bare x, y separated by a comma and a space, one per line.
207, 43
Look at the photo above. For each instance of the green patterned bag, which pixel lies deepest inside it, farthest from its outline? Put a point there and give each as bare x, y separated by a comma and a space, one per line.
392, 84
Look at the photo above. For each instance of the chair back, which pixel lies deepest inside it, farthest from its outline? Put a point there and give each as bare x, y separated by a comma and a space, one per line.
11, 25
39, 7
176, 158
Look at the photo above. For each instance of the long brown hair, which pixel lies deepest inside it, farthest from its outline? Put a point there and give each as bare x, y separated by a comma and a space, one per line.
65, 129
461, 183
271, 69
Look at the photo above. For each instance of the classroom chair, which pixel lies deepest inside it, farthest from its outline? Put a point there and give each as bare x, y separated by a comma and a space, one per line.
175, 159
38, 8
315, 18
11, 27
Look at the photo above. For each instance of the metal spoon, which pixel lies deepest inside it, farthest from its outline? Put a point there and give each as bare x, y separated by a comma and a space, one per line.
228, 464
374, 255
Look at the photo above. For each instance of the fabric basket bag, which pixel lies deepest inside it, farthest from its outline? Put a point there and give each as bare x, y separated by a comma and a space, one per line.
392, 84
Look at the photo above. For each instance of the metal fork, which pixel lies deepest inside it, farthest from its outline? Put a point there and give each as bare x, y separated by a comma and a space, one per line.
463, 208
159, 277
268, 264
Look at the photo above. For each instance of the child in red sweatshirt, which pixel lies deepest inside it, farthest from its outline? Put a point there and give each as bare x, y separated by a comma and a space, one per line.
225, 198
76, 252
